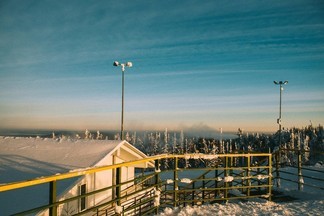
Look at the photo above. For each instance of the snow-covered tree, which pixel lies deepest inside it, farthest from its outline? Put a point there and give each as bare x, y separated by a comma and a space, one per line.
306, 149
87, 134
175, 149
182, 138
99, 136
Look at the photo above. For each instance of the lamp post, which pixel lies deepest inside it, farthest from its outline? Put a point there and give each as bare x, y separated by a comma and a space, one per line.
123, 65
280, 83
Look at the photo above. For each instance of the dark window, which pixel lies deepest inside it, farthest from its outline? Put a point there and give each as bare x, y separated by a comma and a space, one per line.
82, 191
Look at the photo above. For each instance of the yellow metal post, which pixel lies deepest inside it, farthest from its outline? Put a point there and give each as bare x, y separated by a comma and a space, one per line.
118, 185
270, 176
248, 173
277, 157
157, 176
300, 175
225, 175
175, 182
52, 198
216, 183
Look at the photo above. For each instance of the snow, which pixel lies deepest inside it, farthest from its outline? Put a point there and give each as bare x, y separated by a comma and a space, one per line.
118, 209
157, 198
27, 158
228, 178
257, 207
261, 177
169, 181
186, 180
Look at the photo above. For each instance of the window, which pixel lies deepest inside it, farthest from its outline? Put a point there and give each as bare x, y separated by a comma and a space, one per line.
82, 201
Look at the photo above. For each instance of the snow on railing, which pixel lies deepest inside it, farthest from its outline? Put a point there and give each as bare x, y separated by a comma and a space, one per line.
201, 156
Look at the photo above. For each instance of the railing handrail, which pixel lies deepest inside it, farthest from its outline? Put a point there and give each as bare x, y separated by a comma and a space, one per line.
81, 172
120, 196
300, 167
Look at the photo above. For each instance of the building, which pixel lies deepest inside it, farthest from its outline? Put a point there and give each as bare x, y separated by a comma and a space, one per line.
27, 158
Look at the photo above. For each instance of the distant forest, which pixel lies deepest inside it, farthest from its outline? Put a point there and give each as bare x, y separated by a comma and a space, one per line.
309, 139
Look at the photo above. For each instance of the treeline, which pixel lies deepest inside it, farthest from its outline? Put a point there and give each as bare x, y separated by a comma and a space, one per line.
153, 143
309, 138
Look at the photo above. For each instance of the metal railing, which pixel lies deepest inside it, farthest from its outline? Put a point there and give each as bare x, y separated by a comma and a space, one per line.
231, 176
298, 172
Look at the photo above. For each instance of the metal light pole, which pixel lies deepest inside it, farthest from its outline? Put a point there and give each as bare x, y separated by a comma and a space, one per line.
280, 83
128, 64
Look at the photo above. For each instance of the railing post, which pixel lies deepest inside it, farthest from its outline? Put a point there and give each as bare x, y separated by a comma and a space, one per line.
52, 198
203, 189
225, 175
118, 185
300, 175
277, 157
193, 194
216, 182
175, 182
231, 170
248, 174
157, 172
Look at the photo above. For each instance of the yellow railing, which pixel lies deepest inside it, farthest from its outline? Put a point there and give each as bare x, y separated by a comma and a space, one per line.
245, 175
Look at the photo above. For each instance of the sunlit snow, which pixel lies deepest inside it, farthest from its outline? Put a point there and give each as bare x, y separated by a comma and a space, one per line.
307, 202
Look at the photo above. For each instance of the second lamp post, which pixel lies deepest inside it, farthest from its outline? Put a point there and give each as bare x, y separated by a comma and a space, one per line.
128, 64
280, 83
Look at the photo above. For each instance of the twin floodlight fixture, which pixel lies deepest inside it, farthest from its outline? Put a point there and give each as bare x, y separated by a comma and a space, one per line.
127, 64
280, 83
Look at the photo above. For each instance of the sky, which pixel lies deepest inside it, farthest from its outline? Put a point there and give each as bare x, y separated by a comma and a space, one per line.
196, 64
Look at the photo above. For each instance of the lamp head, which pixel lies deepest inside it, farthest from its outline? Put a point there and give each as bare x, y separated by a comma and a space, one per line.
129, 64
280, 82
116, 63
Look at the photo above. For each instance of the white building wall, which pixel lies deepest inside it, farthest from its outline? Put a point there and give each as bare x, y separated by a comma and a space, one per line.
97, 181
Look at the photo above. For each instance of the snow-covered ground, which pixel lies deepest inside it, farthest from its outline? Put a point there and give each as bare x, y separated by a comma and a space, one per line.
256, 207
310, 201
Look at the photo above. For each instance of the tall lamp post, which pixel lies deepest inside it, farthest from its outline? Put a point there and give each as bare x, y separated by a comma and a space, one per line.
122, 65
280, 83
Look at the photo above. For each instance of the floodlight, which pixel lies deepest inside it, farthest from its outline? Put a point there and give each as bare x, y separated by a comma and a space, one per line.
116, 63
129, 64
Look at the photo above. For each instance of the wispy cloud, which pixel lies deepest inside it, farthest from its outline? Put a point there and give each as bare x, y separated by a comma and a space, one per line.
194, 59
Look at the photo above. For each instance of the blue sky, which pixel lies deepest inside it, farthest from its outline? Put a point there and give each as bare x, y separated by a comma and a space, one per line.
196, 64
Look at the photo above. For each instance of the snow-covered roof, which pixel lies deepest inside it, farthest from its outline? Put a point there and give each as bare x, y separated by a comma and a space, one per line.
27, 158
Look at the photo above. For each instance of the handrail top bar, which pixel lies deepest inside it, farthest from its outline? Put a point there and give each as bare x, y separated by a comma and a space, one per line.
81, 172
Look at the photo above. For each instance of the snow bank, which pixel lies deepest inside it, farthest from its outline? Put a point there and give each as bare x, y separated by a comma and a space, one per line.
257, 207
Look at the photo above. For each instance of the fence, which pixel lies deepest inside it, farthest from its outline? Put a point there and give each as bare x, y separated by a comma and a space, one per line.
194, 179
303, 176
